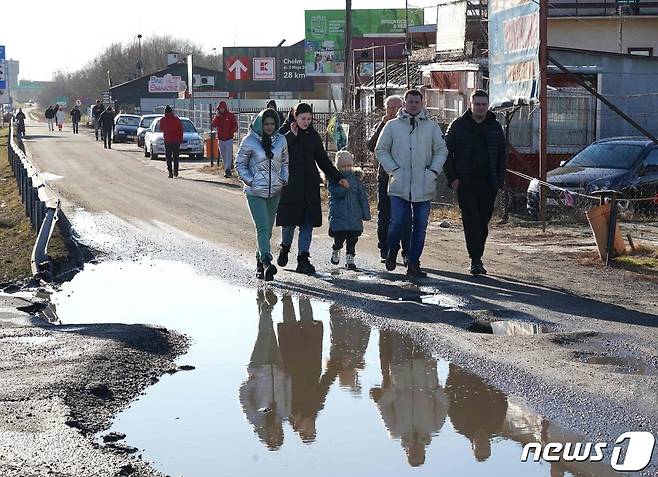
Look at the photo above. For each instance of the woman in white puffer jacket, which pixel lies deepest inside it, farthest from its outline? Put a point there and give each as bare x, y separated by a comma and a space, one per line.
262, 164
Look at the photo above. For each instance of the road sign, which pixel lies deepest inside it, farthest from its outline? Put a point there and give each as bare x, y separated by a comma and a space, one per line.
266, 69
2, 52
237, 68
4, 96
78, 102
3, 74
62, 100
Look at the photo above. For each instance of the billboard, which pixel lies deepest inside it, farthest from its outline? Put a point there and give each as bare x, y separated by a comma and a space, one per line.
266, 69
325, 34
451, 26
166, 84
513, 51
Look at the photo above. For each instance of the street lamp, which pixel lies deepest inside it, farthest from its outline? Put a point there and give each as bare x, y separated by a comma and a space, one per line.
140, 64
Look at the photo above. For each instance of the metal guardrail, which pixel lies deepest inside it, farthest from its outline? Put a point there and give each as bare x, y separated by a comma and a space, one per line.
42, 205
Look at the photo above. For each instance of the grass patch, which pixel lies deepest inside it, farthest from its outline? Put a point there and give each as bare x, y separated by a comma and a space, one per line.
642, 257
16, 235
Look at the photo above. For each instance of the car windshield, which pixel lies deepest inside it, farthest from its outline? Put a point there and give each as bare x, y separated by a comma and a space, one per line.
146, 122
607, 156
188, 127
128, 120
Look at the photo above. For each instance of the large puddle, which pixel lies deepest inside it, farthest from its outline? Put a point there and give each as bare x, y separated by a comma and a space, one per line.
290, 386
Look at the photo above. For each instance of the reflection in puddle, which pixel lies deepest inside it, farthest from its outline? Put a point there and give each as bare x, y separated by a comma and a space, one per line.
292, 386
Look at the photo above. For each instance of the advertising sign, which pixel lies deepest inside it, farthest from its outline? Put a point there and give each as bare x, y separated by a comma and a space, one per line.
166, 84
451, 27
266, 69
325, 34
513, 51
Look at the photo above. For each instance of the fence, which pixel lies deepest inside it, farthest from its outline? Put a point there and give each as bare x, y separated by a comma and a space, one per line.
41, 204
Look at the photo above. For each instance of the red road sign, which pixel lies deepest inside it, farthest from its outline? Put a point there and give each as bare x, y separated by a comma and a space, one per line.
237, 68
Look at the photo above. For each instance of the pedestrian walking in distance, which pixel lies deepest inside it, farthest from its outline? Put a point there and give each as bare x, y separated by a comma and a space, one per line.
348, 208
271, 104
476, 169
300, 204
19, 120
412, 151
59, 118
106, 122
262, 164
392, 105
172, 131
96, 112
226, 125
50, 117
75, 118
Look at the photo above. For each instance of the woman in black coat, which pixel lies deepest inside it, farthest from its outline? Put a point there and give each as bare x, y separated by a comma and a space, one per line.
300, 204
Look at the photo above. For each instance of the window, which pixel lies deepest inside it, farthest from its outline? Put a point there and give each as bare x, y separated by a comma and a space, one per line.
607, 155
641, 51
650, 163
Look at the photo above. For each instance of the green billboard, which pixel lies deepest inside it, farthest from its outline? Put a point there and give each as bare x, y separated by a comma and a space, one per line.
325, 34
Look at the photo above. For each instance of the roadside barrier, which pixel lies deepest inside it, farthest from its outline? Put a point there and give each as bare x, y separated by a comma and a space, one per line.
42, 205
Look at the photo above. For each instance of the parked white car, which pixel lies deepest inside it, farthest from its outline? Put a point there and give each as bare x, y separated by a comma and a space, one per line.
191, 146
144, 124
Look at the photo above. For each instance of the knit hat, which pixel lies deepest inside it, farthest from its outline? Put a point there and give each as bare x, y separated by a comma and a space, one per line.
168, 109
344, 158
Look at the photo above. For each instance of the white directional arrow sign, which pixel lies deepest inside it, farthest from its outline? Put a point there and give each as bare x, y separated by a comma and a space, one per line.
238, 68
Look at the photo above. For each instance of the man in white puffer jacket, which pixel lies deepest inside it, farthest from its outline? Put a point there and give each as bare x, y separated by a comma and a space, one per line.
411, 149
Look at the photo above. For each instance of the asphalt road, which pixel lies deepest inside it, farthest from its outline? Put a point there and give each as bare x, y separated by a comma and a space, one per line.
131, 208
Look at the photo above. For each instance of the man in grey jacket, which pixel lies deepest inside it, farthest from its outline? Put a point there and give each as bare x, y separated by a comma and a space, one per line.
412, 151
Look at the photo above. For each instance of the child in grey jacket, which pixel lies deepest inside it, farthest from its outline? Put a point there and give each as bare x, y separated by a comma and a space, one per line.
348, 208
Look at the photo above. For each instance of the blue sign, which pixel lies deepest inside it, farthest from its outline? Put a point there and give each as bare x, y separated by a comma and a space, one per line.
513, 52
3, 68
2, 52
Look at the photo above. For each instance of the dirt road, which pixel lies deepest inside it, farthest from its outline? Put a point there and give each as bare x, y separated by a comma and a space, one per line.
123, 205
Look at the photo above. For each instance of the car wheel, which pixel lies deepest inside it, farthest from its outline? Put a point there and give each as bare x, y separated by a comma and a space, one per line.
146, 151
154, 156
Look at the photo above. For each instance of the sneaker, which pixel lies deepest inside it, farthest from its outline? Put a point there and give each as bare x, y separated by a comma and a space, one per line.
382, 254
175, 174
477, 268
391, 260
304, 265
349, 262
414, 270
335, 257
171, 176
260, 270
282, 259
405, 259
270, 271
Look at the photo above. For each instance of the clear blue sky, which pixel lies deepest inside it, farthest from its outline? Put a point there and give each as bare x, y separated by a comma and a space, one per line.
50, 35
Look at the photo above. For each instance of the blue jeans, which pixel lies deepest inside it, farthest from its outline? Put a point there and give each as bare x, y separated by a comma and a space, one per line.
384, 219
401, 212
305, 235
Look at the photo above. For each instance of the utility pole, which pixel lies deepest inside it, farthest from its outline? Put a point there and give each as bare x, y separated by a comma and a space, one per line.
347, 102
543, 102
407, 47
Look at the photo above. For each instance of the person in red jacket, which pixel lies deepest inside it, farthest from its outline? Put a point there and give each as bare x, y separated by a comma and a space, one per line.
226, 126
172, 130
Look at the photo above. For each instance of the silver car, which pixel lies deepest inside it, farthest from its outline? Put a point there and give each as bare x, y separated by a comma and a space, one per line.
145, 123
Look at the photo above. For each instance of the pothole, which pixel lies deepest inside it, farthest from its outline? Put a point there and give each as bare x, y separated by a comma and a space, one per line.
502, 322
618, 364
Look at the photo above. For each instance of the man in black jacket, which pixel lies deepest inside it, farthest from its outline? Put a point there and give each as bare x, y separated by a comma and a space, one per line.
475, 169
96, 112
392, 105
75, 118
50, 116
106, 123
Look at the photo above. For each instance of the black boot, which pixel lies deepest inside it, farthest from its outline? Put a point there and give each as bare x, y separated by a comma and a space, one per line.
282, 259
391, 260
270, 271
260, 270
413, 270
304, 265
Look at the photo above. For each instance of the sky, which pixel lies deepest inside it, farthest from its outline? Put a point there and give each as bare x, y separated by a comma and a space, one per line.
65, 35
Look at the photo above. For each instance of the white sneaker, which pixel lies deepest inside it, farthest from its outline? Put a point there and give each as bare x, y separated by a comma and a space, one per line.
335, 257
349, 262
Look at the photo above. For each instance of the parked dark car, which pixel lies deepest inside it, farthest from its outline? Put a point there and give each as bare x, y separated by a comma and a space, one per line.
625, 164
125, 127
145, 123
